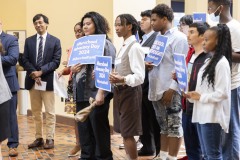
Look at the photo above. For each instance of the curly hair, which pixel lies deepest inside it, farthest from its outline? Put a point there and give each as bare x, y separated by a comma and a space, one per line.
100, 23
163, 10
223, 48
128, 19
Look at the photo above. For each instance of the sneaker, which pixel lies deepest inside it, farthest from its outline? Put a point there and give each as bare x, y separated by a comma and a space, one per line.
139, 145
121, 146
74, 152
157, 157
13, 152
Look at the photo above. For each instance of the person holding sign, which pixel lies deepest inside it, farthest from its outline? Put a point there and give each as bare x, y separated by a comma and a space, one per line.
220, 12
70, 106
128, 76
150, 137
212, 96
194, 63
163, 90
94, 132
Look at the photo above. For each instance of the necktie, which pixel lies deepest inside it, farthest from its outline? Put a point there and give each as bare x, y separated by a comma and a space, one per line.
40, 52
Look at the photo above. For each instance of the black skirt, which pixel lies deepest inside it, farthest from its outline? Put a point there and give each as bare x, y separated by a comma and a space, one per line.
5, 121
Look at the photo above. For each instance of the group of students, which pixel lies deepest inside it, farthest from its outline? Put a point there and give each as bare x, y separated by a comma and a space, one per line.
147, 97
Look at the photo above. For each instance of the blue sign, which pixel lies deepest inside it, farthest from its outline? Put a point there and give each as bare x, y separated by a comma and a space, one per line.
199, 17
157, 50
181, 71
102, 69
85, 49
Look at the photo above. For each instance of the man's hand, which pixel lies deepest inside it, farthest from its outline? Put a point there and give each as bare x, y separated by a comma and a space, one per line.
38, 81
149, 65
114, 77
99, 99
76, 68
194, 95
35, 74
167, 96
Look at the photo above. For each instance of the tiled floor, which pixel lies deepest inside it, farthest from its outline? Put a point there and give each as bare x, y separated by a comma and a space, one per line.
64, 141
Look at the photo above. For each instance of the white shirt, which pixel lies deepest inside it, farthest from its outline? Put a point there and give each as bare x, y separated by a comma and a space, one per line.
234, 27
160, 77
215, 103
38, 41
136, 60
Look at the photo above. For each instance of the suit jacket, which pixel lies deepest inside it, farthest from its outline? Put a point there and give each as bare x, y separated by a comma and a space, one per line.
51, 60
9, 60
148, 43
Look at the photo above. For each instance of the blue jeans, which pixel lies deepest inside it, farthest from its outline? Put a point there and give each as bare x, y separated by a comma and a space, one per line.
192, 144
231, 140
210, 137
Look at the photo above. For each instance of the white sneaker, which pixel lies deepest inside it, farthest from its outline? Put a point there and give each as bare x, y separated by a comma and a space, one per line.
139, 145
121, 146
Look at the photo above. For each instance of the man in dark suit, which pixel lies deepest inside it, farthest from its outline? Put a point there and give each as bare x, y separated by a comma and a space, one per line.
9, 61
42, 55
150, 137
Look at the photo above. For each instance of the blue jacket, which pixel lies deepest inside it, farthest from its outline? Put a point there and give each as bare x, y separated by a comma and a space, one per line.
9, 60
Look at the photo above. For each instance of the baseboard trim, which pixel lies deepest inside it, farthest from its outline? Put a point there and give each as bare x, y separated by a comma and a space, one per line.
63, 119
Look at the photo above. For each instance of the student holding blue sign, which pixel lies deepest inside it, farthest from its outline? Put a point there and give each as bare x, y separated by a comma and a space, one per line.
94, 133
194, 63
128, 76
220, 12
162, 88
212, 96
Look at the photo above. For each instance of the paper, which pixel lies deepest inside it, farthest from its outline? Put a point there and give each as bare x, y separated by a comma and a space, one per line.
41, 87
60, 87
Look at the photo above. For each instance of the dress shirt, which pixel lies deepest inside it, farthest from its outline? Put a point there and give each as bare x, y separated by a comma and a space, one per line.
38, 41
160, 77
136, 60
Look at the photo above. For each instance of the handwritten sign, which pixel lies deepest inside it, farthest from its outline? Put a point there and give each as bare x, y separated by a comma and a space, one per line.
102, 68
85, 49
199, 17
181, 71
157, 50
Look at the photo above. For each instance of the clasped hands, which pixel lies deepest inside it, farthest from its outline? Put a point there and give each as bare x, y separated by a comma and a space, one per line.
36, 75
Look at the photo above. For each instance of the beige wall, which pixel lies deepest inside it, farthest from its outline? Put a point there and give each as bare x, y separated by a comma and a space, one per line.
236, 9
13, 14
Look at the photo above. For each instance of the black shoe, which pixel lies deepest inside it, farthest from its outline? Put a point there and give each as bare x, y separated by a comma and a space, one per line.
144, 153
37, 143
49, 144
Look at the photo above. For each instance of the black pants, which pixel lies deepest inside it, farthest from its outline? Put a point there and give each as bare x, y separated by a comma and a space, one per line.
94, 133
151, 130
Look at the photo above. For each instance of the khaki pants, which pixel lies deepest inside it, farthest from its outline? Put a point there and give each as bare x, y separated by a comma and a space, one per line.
47, 97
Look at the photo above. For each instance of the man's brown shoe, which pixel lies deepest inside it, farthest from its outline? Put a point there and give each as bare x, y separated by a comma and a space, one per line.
75, 151
13, 152
37, 143
49, 144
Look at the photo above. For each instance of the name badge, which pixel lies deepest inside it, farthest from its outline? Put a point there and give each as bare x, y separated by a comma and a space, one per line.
118, 61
